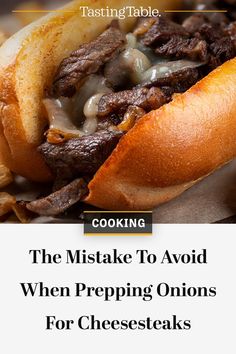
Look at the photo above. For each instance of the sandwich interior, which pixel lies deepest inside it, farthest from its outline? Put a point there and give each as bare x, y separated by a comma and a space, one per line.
103, 88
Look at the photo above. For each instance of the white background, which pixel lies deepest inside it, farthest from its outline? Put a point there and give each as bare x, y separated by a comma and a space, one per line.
22, 321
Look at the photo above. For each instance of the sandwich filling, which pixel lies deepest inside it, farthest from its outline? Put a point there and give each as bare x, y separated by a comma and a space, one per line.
104, 87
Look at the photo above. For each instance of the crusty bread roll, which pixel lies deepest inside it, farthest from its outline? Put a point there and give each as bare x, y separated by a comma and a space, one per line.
166, 152
172, 148
28, 62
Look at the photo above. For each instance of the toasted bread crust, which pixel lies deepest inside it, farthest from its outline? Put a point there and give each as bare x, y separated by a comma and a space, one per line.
172, 148
15, 151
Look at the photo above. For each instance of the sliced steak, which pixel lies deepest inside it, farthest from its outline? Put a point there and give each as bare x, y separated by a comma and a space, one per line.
178, 81
88, 59
210, 32
221, 43
178, 47
162, 30
222, 50
81, 156
56, 203
194, 22
118, 102
231, 32
117, 73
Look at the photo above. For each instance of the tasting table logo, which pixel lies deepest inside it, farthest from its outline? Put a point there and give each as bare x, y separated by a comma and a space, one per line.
117, 223
121, 13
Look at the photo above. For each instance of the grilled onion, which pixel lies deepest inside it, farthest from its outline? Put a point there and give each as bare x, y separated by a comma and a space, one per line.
60, 126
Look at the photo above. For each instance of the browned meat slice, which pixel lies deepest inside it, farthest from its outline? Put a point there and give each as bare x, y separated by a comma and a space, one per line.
221, 42
231, 32
178, 47
56, 203
88, 59
118, 102
81, 156
222, 50
194, 22
210, 32
117, 73
162, 31
178, 81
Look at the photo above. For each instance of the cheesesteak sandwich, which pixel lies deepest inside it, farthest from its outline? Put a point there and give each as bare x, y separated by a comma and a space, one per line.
121, 114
